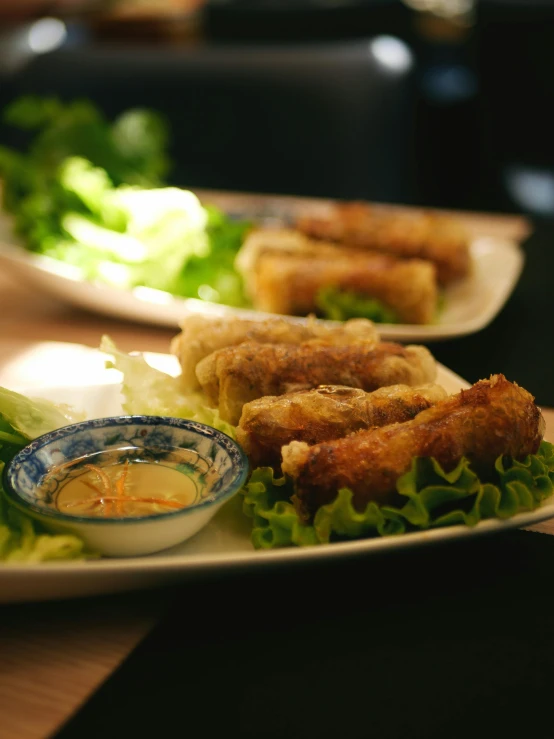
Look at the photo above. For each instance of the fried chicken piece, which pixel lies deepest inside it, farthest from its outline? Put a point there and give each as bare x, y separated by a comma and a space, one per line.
290, 284
236, 375
202, 335
284, 271
426, 235
324, 413
493, 417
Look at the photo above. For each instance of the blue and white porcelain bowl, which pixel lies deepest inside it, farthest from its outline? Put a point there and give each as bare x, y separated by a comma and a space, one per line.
154, 436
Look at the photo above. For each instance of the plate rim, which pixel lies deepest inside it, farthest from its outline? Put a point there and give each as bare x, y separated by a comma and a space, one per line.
182, 563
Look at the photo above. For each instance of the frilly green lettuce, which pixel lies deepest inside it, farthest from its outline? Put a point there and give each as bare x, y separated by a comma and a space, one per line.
275, 522
434, 498
340, 305
148, 391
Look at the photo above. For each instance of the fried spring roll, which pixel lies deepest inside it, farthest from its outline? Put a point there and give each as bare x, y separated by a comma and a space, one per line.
324, 413
236, 375
202, 335
493, 417
290, 283
281, 240
441, 239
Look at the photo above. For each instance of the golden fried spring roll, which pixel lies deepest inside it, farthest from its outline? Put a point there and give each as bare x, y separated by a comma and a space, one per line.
202, 335
493, 417
324, 413
280, 240
426, 235
236, 375
290, 283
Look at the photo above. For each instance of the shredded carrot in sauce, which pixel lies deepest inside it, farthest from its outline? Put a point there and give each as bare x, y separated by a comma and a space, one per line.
105, 480
61, 467
111, 496
92, 486
120, 488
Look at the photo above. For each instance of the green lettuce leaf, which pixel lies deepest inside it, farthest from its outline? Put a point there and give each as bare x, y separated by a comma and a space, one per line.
21, 538
433, 498
24, 540
132, 148
214, 277
149, 391
340, 305
275, 522
90, 193
31, 418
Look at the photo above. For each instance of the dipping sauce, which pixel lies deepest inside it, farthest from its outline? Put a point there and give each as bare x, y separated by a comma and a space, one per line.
128, 485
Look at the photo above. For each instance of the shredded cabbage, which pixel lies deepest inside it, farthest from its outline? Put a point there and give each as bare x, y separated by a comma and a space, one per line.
149, 391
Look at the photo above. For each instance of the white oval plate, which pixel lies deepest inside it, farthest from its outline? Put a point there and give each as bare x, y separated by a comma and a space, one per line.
469, 305
222, 546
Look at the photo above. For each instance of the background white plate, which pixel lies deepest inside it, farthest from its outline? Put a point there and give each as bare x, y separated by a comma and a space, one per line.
470, 305
223, 545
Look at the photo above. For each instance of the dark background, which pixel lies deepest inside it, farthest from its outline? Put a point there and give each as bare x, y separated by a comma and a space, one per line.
288, 97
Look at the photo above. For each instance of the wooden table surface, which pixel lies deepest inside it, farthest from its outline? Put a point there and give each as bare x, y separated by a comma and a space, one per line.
53, 657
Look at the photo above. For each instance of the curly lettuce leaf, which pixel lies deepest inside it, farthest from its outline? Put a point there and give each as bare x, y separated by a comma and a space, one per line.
433, 498
340, 305
149, 391
275, 522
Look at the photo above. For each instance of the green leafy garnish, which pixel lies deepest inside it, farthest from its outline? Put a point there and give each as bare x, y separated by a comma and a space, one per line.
433, 498
91, 193
340, 305
215, 278
132, 149
22, 539
30, 418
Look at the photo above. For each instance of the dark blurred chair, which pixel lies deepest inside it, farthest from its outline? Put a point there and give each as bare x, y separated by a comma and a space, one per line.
283, 21
331, 120
515, 57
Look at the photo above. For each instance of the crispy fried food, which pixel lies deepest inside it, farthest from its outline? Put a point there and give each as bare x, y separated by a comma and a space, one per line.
426, 235
324, 413
284, 241
492, 418
290, 284
284, 272
236, 375
202, 335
